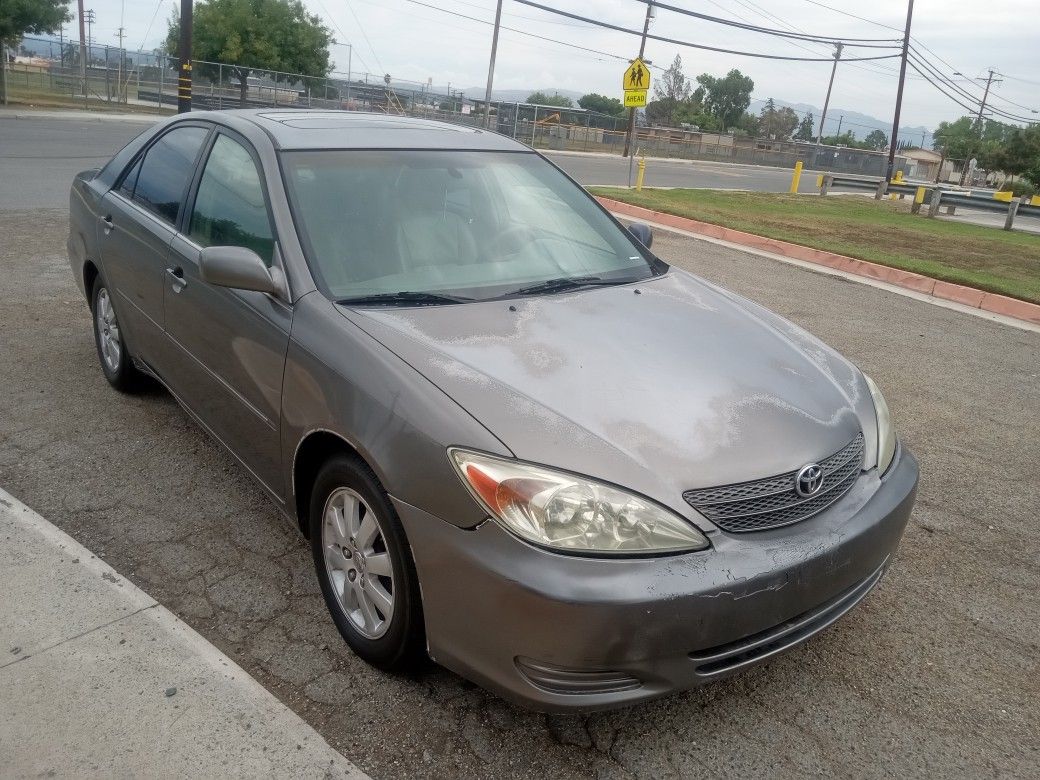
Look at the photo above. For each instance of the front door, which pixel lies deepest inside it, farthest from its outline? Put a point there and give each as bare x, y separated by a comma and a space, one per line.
228, 346
135, 230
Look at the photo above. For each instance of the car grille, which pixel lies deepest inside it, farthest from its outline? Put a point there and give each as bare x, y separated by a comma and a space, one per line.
773, 502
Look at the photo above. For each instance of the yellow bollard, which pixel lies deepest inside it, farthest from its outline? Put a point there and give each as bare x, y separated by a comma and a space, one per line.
898, 178
796, 178
919, 196
642, 171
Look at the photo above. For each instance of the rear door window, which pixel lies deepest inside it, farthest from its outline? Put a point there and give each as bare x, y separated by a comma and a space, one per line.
167, 167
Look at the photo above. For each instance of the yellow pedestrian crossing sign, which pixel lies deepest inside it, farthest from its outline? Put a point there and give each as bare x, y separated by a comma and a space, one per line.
635, 98
637, 76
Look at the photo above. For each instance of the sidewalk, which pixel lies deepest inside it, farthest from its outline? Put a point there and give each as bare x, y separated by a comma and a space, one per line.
99, 680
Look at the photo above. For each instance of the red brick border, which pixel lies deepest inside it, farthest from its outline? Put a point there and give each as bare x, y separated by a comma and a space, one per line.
969, 296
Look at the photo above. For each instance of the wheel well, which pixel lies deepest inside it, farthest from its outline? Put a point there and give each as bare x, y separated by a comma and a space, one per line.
90, 273
311, 455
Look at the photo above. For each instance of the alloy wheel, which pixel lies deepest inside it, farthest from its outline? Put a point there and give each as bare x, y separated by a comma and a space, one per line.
358, 562
108, 331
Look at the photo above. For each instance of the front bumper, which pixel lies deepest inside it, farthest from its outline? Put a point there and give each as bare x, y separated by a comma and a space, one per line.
559, 633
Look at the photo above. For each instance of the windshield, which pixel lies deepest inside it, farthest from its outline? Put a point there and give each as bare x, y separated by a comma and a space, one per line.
456, 225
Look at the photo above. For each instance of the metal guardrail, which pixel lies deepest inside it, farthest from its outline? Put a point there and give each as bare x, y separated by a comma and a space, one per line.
935, 196
1013, 209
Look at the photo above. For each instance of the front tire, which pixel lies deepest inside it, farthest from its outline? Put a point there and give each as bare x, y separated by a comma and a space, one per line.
364, 566
116, 363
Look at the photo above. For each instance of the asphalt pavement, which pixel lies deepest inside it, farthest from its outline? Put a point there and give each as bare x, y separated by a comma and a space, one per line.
935, 674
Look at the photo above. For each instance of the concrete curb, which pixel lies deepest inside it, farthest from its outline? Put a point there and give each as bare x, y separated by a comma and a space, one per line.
99, 680
80, 116
968, 296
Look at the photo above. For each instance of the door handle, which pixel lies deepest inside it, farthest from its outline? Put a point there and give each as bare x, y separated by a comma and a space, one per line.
177, 280
106, 222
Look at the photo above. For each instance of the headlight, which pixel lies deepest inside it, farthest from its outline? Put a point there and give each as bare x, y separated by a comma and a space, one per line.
571, 513
886, 433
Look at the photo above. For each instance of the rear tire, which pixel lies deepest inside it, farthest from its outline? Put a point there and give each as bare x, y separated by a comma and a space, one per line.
364, 566
116, 363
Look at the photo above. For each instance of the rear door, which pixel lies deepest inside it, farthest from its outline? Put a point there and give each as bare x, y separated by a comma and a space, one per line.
136, 226
228, 346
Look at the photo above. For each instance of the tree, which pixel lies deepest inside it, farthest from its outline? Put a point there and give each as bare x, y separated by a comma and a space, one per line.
673, 83
778, 123
601, 103
876, 140
748, 124
18, 17
275, 35
727, 97
805, 129
1018, 155
661, 111
541, 98
956, 140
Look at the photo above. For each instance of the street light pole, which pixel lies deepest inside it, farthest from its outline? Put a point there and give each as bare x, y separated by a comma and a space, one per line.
184, 56
491, 65
899, 94
642, 48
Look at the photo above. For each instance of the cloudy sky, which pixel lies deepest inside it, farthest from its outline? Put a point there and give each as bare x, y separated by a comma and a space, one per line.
420, 40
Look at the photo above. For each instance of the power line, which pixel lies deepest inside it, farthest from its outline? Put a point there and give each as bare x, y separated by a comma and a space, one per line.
872, 43
343, 35
691, 45
521, 32
854, 16
361, 27
962, 92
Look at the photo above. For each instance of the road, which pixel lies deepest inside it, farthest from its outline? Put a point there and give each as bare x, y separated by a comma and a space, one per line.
72, 145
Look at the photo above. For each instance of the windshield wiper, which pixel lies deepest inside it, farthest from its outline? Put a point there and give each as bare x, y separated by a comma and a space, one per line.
564, 283
404, 296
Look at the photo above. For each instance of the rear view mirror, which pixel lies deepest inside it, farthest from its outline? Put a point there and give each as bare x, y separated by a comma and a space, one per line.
239, 269
642, 233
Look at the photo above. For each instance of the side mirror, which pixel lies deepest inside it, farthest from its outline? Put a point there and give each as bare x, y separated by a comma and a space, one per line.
642, 233
240, 269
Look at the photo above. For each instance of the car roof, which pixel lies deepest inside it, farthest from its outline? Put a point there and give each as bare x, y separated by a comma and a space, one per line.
307, 129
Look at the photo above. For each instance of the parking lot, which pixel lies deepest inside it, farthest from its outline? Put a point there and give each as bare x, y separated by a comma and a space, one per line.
935, 674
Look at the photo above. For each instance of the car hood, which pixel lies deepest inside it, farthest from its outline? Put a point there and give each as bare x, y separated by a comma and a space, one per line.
662, 386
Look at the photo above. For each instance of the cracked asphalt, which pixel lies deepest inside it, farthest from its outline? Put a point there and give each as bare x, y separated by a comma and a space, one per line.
935, 674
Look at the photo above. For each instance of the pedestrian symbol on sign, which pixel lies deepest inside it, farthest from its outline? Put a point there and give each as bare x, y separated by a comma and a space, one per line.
637, 76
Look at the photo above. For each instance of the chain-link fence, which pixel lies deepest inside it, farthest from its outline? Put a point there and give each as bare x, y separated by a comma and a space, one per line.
48, 72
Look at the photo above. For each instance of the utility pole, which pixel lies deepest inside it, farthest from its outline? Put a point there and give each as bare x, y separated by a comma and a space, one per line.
977, 124
827, 100
83, 47
650, 14
91, 18
899, 93
184, 57
840, 120
119, 78
491, 65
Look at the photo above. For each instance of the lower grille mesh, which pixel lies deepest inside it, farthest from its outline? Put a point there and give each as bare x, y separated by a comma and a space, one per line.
773, 502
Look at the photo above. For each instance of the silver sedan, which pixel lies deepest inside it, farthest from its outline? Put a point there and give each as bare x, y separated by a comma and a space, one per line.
517, 441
